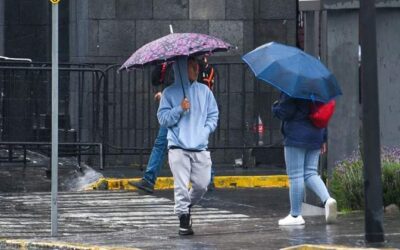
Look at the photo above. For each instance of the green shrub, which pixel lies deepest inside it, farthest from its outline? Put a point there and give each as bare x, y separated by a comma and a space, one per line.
347, 184
391, 183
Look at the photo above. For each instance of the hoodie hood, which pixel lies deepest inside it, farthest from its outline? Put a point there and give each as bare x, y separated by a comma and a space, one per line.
181, 71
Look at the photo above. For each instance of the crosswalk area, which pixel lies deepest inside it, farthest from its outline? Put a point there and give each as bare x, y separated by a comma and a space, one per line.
28, 214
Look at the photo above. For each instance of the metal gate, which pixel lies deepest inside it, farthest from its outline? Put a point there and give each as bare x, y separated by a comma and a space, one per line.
241, 100
98, 104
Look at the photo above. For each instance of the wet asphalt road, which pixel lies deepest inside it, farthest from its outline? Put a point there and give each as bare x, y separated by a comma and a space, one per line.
225, 219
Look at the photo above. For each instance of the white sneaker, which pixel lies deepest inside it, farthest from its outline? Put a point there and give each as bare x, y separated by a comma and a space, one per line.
330, 211
292, 221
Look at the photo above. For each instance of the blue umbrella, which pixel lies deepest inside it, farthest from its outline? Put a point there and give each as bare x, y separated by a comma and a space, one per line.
293, 71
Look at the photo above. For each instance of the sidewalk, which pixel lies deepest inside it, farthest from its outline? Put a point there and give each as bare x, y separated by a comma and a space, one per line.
225, 219
16, 178
225, 177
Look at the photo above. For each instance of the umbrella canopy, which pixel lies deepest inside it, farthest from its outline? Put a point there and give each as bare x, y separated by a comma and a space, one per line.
176, 44
293, 71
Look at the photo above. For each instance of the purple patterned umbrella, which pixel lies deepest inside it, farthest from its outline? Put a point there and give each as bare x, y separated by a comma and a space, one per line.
176, 44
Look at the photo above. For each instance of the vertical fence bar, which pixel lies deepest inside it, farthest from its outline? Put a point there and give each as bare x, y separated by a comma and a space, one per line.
80, 103
149, 107
105, 118
25, 161
135, 110
121, 114
128, 105
217, 87
244, 130
94, 113
143, 111
2, 94
114, 108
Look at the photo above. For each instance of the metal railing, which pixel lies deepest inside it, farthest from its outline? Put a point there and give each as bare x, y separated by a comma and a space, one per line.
25, 99
98, 104
65, 149
133, 124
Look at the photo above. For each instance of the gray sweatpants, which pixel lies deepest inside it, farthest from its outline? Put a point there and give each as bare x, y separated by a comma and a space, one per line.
189, 166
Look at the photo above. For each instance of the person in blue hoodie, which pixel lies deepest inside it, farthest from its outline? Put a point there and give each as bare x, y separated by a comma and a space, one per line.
303, 143
162, 77
189, 110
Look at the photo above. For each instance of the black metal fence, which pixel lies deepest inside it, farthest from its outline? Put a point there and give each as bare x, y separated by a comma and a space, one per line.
98, 104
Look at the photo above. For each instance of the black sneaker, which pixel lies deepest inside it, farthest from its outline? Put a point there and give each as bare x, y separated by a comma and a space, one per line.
211, 186
143, 185
185, 225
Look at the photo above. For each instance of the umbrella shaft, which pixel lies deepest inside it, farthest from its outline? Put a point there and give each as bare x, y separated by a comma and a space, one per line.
183, 88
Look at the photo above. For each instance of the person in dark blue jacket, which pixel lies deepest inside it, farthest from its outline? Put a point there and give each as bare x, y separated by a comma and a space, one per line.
162, 76
303, 143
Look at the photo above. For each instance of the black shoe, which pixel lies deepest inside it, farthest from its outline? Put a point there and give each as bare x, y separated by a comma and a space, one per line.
211, 186
143, 185
190, 212
185, 225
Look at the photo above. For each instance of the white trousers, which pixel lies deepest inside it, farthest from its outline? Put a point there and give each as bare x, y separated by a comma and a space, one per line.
188, 166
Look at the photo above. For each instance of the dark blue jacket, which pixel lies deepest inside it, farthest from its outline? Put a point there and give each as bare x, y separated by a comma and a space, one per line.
297, 129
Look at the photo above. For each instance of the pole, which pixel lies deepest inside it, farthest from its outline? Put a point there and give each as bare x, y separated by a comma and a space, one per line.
370, 122
297, 24
54, 118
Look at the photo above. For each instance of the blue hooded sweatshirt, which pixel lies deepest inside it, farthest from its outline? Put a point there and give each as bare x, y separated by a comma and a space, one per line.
187, 130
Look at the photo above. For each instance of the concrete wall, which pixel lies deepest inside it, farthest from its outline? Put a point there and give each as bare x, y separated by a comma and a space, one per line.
110, 31
26, 29
342, 60
27, 23
1, 28
339, 46
355, 4
388, 42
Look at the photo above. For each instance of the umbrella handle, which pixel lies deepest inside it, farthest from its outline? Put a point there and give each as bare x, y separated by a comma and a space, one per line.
187, 110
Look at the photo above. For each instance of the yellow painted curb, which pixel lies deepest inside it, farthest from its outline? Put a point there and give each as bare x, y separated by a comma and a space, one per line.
265, 181
326, 247
25, 244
